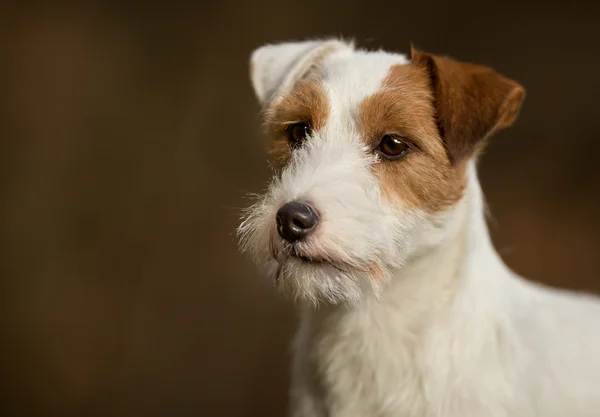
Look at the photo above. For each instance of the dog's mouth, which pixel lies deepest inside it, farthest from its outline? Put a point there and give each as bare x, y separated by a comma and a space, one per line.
305, 261
290, 255
295, 255
285, 255
303, 258
281, 253
309, 260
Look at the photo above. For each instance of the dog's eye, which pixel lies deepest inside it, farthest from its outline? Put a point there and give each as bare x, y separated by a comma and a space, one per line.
298, 132
393, 147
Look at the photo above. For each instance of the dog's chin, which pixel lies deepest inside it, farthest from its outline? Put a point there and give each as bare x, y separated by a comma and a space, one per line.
313, 281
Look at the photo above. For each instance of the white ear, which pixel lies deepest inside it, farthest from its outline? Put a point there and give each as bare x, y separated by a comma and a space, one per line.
276, 67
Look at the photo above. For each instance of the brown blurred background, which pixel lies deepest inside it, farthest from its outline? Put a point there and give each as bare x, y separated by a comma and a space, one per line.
129, 136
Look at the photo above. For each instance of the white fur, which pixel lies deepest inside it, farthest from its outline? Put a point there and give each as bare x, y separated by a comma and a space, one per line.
448, 330
276, 67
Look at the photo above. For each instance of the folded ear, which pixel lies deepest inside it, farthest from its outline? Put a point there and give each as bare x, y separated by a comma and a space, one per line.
278, 67
472, 101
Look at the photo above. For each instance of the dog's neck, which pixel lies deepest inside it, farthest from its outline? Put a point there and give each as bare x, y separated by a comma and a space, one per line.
464, 262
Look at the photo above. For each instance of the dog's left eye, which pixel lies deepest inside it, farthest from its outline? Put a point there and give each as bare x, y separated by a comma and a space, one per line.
393, 147
298, 132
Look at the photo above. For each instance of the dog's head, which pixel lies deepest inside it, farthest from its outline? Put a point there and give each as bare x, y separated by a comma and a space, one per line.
370, 151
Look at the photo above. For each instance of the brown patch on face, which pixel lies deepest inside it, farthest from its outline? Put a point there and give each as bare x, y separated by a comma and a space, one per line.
424, 178
306, 103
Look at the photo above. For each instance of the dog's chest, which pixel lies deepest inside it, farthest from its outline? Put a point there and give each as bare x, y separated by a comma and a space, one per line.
359, 367
388, 366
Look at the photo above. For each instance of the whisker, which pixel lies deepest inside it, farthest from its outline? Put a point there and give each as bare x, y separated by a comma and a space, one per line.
274, 250
278, 274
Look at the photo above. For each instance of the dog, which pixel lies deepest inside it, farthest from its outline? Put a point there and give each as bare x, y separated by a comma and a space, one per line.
374, 224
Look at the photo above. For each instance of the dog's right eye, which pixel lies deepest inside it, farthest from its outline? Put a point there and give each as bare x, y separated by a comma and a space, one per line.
298, 132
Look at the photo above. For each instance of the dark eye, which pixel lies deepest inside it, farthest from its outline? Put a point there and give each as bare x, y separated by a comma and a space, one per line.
393, 147
298, 132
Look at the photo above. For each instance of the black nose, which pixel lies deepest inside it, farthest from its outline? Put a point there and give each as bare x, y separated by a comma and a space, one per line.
295, 220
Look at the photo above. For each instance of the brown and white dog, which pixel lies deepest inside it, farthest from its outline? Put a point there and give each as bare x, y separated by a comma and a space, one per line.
374, 223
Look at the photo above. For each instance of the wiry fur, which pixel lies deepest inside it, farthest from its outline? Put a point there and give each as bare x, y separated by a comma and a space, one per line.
414, 314
328, 174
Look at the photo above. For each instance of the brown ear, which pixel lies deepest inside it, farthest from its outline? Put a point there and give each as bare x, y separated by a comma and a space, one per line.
472, 101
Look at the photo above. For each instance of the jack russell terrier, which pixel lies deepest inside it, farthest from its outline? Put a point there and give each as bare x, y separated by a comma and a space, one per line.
374, 224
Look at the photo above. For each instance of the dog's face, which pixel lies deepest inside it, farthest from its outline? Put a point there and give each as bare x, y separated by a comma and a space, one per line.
370, 152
